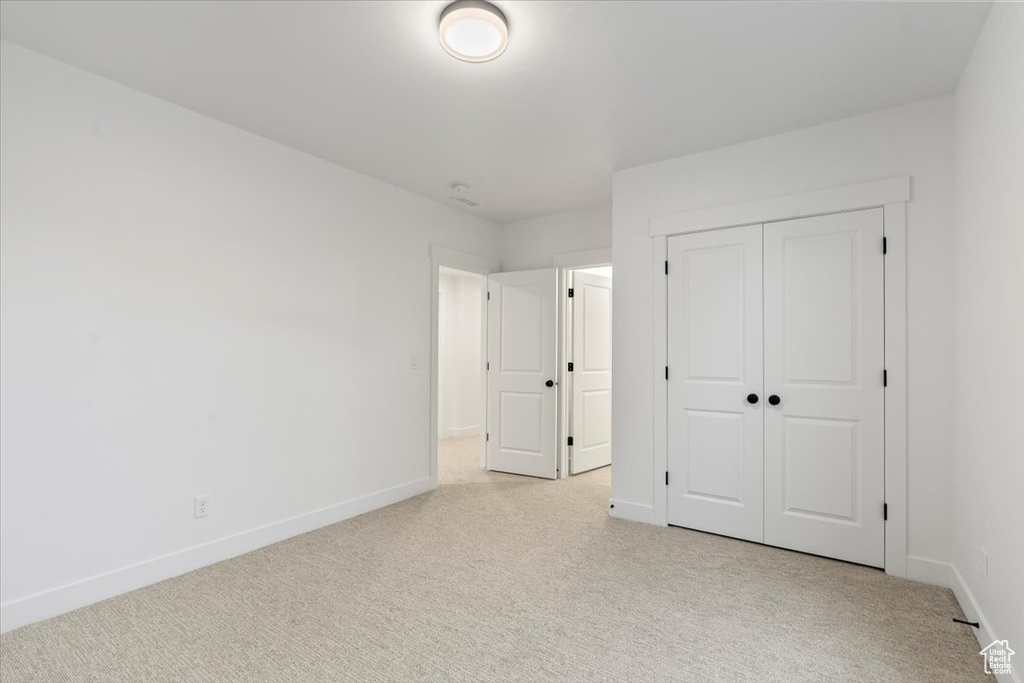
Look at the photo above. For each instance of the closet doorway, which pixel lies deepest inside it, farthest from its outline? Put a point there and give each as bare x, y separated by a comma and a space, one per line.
776, 384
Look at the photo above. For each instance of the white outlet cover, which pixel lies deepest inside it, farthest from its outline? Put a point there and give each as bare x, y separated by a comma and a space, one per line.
202, 506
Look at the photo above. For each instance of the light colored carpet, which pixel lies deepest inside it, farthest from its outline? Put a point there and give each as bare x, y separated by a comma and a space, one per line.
500, 578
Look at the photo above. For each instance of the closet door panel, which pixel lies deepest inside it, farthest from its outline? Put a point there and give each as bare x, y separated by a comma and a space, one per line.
715, 436
824, 358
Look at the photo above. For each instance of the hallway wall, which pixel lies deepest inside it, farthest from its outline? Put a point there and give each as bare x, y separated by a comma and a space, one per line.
460, 410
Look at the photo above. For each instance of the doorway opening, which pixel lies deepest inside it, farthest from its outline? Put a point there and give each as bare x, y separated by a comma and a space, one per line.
586, 408
461, 383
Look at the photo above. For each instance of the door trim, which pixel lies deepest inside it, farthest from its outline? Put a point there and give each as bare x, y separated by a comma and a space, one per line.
481, 265
869, 195
892, 195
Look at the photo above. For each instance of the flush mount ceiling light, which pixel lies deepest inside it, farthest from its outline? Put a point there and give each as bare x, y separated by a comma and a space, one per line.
473, 30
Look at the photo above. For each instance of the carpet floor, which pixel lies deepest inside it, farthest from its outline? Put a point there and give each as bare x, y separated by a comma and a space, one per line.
494, 577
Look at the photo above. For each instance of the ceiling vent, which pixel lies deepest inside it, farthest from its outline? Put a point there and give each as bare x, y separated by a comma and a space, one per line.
466, 201
460, 196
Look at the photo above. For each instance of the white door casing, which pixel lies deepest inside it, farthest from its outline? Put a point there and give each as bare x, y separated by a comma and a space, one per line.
824, 350
715, 434
521, 407
591, 427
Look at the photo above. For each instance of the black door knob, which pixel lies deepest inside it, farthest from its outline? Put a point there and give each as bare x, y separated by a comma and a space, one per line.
774, 400
549, 383
751, 399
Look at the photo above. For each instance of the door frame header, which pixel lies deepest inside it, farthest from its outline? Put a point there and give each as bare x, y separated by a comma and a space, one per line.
875, 193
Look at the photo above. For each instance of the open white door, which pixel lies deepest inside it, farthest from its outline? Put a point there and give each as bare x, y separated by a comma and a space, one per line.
824, 348
591, 427
522, 436
715, 416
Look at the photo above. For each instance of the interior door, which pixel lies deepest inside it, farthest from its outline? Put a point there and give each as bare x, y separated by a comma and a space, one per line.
591, 427
824, 359
521, 396
715, 417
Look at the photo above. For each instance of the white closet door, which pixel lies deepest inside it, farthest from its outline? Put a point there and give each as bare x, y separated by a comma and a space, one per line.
521, 397
591, 372
715, 432
824, 358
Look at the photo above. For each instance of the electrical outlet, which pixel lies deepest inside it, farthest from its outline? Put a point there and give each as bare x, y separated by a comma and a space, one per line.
984, 563
202, 506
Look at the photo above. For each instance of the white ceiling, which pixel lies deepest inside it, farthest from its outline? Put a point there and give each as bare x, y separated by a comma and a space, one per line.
584, 88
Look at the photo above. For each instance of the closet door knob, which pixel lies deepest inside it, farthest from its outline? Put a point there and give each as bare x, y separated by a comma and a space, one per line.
549, 383
774, 400
751, 399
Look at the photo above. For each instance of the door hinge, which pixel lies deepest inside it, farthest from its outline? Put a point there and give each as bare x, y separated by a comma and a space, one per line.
570, 367
666, 372
570, 441
570, 292
488, 365
666, 477
488, 436
885, 378
666, 267
885, 245
885, 512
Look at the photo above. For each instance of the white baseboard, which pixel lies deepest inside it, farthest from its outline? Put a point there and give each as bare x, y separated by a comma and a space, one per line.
88, 591
930, 571
455, 432
634, 512
984, 632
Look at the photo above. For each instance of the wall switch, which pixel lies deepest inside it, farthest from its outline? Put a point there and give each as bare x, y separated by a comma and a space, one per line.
202, 506
415, 362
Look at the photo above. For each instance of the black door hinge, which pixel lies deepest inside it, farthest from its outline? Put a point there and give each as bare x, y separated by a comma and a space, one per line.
488, 436
666, 372
666, 477
488, 296
488, 365
666, 267
885, 245
885, 512
885, 378
570, 292
570, 367
570, 441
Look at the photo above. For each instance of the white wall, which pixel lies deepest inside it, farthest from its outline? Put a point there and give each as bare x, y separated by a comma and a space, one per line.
190, 309
532, 243
460, 346
988, 360
915, 140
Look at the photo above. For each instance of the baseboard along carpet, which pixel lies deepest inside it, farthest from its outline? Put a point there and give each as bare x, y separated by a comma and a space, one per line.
494, 577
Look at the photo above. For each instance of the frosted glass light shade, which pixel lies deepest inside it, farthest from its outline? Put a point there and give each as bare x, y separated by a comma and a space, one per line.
473, 30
